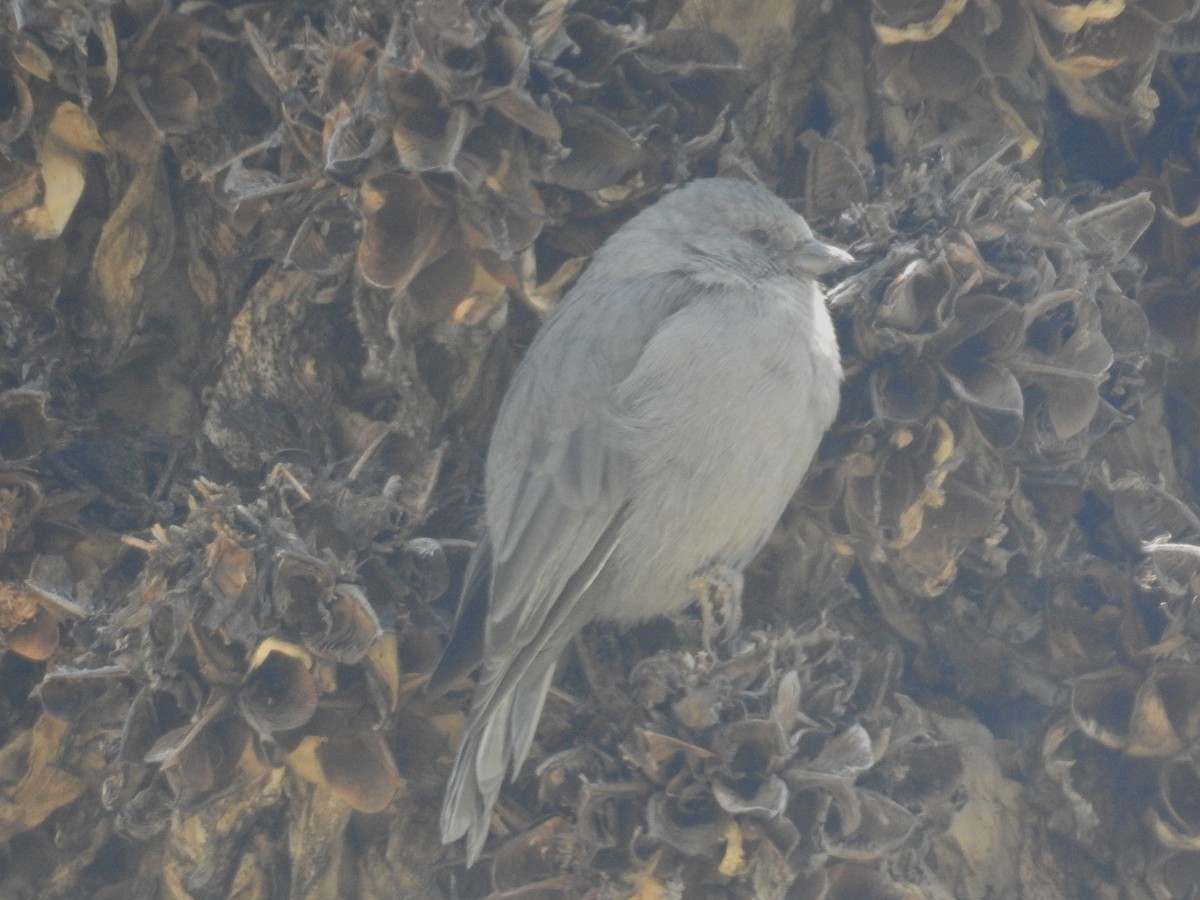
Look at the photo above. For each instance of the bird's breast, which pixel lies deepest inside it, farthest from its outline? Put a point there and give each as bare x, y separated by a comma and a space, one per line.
724, 433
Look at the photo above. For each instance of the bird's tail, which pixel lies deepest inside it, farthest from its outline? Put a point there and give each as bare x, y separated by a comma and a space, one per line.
498, 737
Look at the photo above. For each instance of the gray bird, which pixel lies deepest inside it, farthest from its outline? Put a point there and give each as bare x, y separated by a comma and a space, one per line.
654, 431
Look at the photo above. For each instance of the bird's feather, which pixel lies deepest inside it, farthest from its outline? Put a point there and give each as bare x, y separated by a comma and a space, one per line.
658, 423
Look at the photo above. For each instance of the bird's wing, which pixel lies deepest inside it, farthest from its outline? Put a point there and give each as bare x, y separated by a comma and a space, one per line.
556, 542
569, 473
464, 651
559, 490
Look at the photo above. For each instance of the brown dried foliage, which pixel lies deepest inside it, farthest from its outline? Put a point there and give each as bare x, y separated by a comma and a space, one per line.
264, 270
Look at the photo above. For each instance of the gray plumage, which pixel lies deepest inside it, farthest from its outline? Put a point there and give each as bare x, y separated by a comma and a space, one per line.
658, 425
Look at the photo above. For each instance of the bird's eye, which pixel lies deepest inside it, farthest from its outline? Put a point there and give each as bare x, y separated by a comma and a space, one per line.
759, 236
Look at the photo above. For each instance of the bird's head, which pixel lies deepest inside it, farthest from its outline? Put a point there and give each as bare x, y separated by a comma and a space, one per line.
723, 231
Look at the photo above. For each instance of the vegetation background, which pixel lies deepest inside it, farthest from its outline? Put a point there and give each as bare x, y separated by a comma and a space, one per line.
265, 268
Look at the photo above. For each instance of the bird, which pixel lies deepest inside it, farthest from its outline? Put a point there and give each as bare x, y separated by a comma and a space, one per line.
652, 434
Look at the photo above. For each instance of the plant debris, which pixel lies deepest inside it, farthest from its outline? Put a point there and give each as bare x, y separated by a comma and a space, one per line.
264, 272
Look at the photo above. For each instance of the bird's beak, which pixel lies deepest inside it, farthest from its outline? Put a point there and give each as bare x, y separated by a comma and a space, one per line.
818, 258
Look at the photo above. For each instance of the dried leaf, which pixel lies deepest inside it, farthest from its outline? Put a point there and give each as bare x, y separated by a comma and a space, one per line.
62, 157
